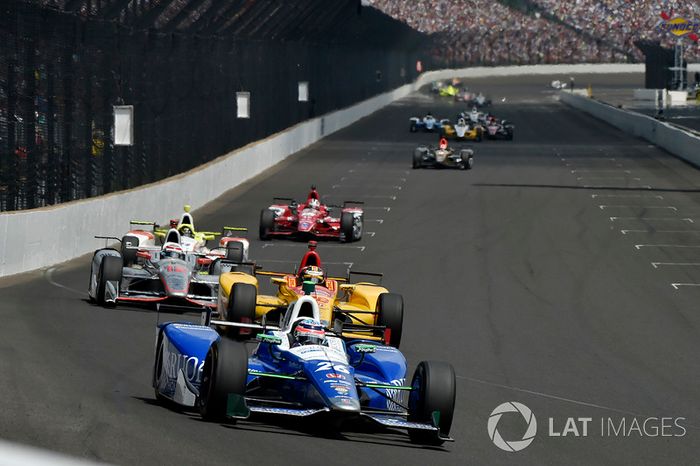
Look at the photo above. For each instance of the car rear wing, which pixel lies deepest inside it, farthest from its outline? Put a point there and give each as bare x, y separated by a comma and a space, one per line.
153, 225
229, 231
366, 274
284, 199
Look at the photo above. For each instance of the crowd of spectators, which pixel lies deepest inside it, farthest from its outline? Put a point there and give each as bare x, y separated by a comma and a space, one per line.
487, 32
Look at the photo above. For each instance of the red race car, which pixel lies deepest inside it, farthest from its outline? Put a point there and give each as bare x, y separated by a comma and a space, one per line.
311, 219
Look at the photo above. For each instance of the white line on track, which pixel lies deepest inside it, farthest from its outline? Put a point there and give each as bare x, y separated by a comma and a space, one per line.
677, 286
357, 186
370, 233
610, 206
558, 398
598, 186
656, 265
695, 232
581, 178
689, 220
363, 196
378, 220
684, 246
292, 245
49, 277
377, 208
602, 170
645, 196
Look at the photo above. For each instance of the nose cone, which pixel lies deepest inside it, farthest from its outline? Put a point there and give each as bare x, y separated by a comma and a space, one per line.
347, 404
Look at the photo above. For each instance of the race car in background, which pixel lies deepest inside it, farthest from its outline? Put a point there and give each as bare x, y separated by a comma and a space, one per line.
311, 219
428, 124
462, 130
300, 369
443, 156
367, 310
502, 129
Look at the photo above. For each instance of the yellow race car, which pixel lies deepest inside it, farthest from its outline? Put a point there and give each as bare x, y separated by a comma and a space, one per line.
462, 131
353, 310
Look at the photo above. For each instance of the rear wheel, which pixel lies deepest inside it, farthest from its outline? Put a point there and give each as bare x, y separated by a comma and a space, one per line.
241, 307
347, 222
417, 158
413, 127
433, 391
234, 251
267, 223
224, 373
128, 250
467, 160
158, 368
110, 271
390, 315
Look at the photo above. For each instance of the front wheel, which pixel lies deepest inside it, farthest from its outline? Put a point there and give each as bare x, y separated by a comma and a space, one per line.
224, 373
267, 223
432, 401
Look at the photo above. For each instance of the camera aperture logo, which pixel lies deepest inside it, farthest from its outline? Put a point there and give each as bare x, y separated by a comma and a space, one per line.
512, 445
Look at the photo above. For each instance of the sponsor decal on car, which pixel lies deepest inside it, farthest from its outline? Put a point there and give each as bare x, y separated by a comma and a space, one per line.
334, 376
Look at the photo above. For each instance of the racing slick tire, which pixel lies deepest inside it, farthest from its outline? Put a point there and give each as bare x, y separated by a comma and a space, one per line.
433, 389
479, 135
234, 251
347, 224
390, 315
467, 160
241, 307
110, 270
158, 369
413, 128
128, 253
224, 372
417, 158
267, 223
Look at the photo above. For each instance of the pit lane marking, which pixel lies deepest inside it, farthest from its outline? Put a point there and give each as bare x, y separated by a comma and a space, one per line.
685, 246
677, 286
656, 265
292, 245
645, 196
378, 220
689, 220
602, 170
624, 232
610, 206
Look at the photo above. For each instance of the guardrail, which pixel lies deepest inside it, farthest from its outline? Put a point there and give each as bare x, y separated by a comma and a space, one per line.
42, 237
676, 140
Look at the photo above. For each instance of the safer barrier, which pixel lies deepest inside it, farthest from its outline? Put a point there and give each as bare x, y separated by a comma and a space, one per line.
41, 237
675, 140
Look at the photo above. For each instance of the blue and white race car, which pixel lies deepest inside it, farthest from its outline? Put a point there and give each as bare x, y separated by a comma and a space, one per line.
427, 123
300, 369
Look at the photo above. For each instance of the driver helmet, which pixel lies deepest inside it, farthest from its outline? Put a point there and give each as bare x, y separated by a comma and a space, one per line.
309, 332
314, 204
313, 274
173, 251
443, 143
186, 230
461, 122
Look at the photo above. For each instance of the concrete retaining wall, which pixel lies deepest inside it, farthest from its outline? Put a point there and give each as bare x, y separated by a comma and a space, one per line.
42, 237
678, 142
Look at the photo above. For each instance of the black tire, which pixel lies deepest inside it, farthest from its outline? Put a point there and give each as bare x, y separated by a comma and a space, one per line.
234, 251
129, 254
417, 158
267, 223
467, 163
241, 306
224, 372
390, 315
479, 135
413, 128
158, 368
347, 221
434, 388
110, 270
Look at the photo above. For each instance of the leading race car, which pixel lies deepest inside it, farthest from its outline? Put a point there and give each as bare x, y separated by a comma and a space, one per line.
443, 157
311, 219
166, 274
299, 369
366, 310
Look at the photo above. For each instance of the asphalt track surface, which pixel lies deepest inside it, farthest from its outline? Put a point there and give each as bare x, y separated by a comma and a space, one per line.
516, 272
